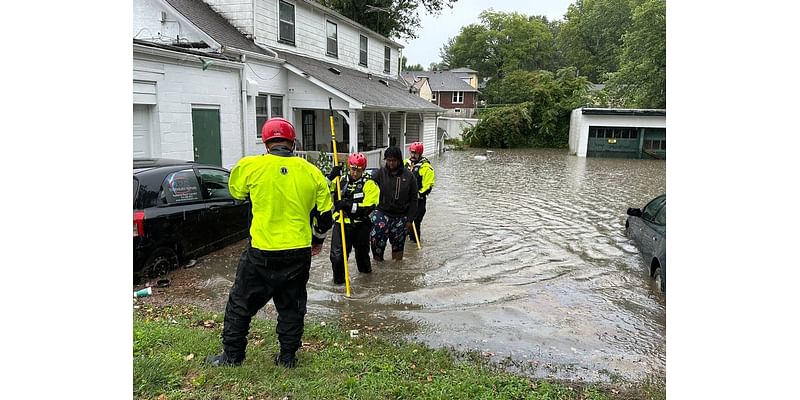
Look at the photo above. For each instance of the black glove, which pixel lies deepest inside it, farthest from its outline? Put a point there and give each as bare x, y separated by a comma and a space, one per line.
335, 171
345, 205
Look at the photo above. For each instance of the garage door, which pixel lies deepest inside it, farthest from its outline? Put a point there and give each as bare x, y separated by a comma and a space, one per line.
141, 131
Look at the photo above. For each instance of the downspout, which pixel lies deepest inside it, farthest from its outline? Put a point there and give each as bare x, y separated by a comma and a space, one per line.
243, 84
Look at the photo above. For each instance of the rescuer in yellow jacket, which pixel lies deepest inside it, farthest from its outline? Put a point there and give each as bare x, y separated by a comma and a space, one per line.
423, 171
283, 190
360, 196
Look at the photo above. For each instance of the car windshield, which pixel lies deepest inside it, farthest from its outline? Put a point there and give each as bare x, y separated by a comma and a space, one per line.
651, 209
661, 217
135, 188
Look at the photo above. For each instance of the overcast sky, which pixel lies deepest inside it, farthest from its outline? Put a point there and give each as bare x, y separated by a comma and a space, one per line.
435, 31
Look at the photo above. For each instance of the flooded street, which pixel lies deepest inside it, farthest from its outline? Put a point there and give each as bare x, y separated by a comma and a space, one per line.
524, 255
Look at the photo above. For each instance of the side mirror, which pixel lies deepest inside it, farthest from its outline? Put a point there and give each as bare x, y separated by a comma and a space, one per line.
636, 212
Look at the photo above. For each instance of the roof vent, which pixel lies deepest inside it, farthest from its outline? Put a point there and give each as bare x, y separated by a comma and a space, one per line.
335, 71
383, 82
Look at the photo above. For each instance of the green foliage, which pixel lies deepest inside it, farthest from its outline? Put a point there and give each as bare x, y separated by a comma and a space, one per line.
541, 119
324, 162
171, 342
641, 81
590, 37
500, 44
390, 18
409, 67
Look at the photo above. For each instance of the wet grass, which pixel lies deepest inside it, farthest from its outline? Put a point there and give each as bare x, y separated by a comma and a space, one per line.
171, 342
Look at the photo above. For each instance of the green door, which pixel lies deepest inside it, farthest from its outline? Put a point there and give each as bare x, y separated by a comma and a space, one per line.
613, 142
206, 136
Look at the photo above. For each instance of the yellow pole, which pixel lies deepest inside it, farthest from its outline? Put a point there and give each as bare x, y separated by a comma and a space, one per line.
416, 235
339, 197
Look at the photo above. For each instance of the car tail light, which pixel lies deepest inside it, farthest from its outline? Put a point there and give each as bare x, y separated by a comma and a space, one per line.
138, 223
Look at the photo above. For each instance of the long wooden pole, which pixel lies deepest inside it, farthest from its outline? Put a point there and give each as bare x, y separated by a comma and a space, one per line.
339, 197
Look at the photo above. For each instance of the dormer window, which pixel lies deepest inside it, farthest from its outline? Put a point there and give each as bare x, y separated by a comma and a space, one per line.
286, 16
333, 39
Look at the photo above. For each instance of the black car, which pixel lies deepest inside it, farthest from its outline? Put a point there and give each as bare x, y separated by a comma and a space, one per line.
181, 210
648, 228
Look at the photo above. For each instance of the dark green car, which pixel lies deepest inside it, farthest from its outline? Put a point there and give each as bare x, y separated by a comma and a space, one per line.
648, 228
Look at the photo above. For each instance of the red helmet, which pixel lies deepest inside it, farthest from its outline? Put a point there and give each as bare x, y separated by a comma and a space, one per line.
357, 159
416, 147
277, 128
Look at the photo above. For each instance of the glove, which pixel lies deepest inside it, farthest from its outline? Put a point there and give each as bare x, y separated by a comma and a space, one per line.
335, 172
345, 205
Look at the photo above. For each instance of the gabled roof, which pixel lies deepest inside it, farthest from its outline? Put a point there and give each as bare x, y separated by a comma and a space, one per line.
215, 25
372, 92
442, 81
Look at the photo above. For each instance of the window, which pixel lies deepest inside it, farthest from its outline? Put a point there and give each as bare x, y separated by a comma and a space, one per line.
387, 59
458, 97
611, 132
333, 41
215, 183
286, 12
362, 55
433, 96
180, 187
267, 106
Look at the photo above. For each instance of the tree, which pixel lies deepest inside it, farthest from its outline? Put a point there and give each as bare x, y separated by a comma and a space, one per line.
390, 18
500, 44
409, 67
547, 98
642, 79
590, 37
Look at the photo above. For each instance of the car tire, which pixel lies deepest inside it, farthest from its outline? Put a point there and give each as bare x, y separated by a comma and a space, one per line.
160, 262
661, 280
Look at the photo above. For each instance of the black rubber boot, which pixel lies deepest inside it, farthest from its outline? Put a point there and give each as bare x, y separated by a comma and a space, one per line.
223, 360
286, 360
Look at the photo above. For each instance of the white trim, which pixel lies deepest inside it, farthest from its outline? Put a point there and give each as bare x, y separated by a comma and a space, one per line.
208, 39
180, 56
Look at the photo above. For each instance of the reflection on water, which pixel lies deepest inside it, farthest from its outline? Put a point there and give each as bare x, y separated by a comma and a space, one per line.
524, 256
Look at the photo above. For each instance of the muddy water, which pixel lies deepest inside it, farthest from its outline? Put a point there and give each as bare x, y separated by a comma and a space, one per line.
524, 258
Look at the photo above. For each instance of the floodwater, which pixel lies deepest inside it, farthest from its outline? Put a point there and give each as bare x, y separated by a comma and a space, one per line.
524, 258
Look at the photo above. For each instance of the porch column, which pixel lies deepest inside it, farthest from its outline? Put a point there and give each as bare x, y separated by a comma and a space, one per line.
374, 130
385, 116
403, 136
353, 123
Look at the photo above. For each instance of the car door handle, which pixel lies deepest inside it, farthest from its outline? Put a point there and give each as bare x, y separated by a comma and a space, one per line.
217, 208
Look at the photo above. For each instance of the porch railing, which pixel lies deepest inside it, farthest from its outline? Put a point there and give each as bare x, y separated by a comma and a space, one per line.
374, 157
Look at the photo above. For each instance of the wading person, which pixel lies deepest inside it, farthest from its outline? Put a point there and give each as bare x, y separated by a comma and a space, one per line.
423, 172
359, 198
283, 190
397, 206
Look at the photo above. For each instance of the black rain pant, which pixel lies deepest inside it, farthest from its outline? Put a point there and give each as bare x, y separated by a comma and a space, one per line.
418, 220
263, 275
355, 235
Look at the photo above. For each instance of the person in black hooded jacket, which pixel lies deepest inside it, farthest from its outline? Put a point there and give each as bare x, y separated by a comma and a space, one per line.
397, 206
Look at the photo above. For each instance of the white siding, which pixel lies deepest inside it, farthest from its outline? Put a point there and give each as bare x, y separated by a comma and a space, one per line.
310, 37
429, 134
179, 86
147, 24
269, 79
238, 12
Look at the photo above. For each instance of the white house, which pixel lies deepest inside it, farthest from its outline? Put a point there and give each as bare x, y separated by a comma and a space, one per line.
206, 77
622, 133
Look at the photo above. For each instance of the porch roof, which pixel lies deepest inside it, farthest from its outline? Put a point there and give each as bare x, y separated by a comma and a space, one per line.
371, 92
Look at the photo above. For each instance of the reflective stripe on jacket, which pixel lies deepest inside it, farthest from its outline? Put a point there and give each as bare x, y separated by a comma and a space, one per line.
365, 195
423, 171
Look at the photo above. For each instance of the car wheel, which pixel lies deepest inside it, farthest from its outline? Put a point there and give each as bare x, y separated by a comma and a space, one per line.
160, 262
661, 280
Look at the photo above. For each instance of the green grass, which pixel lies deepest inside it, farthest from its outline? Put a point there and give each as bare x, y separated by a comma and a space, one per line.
171, 342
